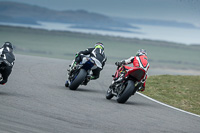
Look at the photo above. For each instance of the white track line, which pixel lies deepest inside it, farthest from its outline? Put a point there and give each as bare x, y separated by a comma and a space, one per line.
167, 105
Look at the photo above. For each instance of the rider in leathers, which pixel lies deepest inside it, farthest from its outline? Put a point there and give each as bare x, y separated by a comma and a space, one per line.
98, 53
140, 60
6, 61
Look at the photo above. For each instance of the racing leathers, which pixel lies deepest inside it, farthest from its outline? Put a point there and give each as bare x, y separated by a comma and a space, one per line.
97, 53
138, 61
6, 63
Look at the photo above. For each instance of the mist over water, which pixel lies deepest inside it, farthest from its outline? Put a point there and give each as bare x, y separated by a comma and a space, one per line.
171, 34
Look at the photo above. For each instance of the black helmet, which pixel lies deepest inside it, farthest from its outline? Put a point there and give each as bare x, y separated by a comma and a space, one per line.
8, 44
99, 45
141, 52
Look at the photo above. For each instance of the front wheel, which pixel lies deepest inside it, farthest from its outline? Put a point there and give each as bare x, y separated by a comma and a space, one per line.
66, 84
126, 92
109, 94
78, 79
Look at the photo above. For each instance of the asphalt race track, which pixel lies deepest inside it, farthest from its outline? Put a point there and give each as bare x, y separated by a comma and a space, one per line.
35, 101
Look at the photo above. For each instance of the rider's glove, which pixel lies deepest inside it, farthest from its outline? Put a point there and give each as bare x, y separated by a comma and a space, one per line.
118, 63
76, 55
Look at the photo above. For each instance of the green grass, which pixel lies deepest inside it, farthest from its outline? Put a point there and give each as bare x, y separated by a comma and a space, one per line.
60, 44
179, 91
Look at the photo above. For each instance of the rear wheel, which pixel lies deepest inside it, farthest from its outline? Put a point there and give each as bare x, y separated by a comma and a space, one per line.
126, 91
109, 94
78, 79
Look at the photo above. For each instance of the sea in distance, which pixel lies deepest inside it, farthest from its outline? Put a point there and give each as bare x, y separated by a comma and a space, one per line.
172, 34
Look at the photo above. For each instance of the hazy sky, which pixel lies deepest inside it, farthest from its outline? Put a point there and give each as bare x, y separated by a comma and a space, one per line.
179, 10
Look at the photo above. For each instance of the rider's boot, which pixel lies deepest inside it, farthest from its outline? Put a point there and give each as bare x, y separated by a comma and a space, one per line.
142, 87
88, 78
67, 83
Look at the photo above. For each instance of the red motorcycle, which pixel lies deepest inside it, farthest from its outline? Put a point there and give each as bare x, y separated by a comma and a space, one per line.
125, 83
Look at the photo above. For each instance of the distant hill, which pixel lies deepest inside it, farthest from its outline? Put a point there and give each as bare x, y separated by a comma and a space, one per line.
14, 12
29, 14
157, 22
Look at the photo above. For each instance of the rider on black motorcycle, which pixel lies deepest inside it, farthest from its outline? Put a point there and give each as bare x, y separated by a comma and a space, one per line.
97, 52
6, 61
140, 60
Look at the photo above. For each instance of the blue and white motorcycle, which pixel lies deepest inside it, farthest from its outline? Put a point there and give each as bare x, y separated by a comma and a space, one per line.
81, 73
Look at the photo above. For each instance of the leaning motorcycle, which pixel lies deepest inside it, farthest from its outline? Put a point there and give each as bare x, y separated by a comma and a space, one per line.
6, 61
1, 68
127, 86
80, 74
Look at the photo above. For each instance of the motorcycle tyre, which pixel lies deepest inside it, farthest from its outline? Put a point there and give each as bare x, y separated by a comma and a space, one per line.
124, 96
78, 80
109, 94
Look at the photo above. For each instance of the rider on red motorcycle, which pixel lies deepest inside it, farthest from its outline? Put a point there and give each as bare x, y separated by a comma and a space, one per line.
140, 60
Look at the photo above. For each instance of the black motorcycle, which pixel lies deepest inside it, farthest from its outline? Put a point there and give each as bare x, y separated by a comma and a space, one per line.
80, 74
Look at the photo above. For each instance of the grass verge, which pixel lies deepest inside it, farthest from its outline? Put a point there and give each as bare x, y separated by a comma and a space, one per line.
179, 91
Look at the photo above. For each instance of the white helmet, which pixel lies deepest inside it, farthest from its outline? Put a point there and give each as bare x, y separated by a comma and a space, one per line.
141, 52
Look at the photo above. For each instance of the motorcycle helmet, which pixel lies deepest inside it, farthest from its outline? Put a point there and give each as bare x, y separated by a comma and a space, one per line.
8, 44
99, 45
141, 52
